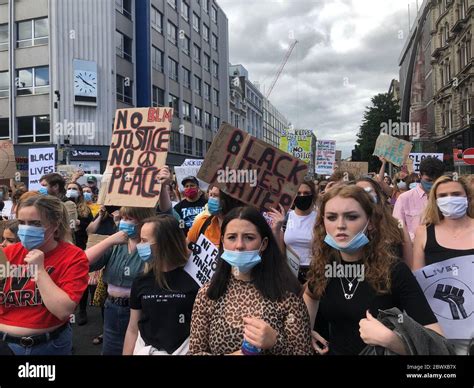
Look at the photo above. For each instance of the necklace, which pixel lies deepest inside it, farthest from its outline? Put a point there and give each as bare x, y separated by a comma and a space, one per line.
351, 283
347, 295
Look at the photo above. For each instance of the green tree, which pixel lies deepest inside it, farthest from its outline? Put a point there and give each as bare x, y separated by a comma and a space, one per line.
383, 109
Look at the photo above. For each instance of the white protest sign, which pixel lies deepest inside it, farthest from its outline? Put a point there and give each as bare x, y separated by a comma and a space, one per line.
325, 157
418, 157
190, 167
41, 161
449, 288
203, 260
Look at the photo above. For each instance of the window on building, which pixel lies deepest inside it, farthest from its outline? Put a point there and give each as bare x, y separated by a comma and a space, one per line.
198, 147
172, 3
32, 32
186, 111
157, 20
463, 9
124, 46
171, 32
186, 78
215, 96
197, 85
33, 129
5, 129
216, 123
214, 14
173, 69
207, 91
205, 32
4, 83
157, 58
208, 145
158, 96
34, 80
188, 145
207, 62
214, 41
198, 116
3, 37
196, 22
215, 69
173, 102
184, 10
197, 53
205, 6
207, 120
186, 44
124, 89
124, 7
175, 142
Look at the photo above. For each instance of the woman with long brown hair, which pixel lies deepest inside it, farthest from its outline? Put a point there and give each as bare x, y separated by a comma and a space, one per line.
354, 273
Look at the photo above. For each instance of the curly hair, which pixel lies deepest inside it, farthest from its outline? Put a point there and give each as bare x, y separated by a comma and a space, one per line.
378, 256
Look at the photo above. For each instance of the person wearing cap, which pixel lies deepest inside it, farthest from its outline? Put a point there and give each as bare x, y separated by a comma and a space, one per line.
193, 203
92, 183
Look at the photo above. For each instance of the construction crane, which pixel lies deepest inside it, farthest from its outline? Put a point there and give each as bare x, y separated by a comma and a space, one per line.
280, 68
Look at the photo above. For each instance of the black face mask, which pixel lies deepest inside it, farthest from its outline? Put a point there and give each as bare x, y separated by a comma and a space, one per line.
304, 202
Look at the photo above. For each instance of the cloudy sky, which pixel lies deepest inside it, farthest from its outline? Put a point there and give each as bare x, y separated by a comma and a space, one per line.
348, 51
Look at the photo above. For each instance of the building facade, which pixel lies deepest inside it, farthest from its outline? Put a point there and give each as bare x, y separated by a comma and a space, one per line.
273, 123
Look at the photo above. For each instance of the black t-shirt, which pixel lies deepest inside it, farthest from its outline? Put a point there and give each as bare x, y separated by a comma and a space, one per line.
189, 210
165, 315
342, 315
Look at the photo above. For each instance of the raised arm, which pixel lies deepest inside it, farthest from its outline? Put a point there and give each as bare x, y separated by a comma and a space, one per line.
97, 251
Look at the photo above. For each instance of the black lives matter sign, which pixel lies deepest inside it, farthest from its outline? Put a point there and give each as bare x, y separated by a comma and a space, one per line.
137, 152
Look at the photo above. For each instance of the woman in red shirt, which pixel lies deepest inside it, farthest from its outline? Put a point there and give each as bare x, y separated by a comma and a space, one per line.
46, 279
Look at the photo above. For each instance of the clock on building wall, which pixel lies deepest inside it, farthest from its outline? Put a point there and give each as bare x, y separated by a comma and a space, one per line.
85, 82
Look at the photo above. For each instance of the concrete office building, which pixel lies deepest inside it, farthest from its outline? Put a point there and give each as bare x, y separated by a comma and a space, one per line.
273, 123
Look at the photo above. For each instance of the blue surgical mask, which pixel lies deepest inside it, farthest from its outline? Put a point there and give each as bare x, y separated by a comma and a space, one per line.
88, 197
31, 237
426, 185
144, 251
243, 260
413, 185
358, 241
128, 227
74, 194
43, 190
214, 206
402, 185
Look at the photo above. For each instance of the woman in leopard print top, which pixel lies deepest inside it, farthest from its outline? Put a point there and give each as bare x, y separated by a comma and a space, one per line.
257, 299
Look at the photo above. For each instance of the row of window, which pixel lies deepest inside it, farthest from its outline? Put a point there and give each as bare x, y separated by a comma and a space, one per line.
463, 57
29, 33
31, 129
185, 8
175, 144
33, 80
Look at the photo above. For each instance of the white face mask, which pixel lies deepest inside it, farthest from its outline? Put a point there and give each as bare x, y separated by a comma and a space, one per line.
452, 207
72, 194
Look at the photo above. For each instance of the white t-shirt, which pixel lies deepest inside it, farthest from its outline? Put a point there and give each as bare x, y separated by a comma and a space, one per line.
299, 235
7, 210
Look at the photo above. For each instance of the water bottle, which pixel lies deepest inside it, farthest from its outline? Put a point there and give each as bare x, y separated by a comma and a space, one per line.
250, 350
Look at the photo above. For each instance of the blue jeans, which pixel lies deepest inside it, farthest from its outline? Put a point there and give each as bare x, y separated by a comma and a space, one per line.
115, 327
60, 346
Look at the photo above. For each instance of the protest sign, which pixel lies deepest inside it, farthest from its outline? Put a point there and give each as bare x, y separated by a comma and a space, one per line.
67, 171
325, 157
190, 167
137, 153
7, 160
418, 157
298, 143
357, 168
449, 289
203, 261
251, 170
393, 149
41, 161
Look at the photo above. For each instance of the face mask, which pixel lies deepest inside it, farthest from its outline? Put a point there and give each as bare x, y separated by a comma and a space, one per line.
214, 206
43, 190
372, 194
359, 240
304, 202
88, 197
74, 194
452, 207
243, 260
31, 237
144, 251
426, 185
128, 227
191, 192
413, 185
402, 185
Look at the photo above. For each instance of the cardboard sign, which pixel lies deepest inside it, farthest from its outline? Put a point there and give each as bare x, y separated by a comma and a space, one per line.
293, 260
7, 160
298, 143
66, 171
449, 289
251, 170
393, 149
189, 168
41, 161
356, 168
203, 260
138, 151
325, 157
418, 157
